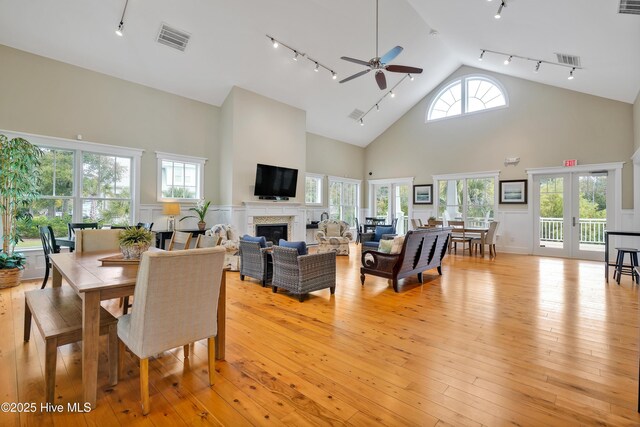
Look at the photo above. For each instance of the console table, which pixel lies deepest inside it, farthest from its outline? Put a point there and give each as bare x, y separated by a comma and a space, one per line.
163, 235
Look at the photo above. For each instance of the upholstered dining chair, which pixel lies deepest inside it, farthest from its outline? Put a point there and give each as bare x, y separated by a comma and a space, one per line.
49, 247
175, 304
490, 239
97, 240
180, 238
203, 241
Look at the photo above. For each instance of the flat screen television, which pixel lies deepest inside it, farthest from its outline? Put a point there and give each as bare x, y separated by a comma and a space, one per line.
275, 182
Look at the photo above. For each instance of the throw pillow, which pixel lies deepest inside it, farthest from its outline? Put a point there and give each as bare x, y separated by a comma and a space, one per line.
259, 239
396, 244
385, 246
382, 230
333, 229
300, 246
232, 234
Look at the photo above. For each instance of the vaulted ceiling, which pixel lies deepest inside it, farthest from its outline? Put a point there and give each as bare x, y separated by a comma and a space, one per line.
228, 47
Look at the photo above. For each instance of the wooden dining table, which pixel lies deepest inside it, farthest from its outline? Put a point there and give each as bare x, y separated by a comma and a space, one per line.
95, 282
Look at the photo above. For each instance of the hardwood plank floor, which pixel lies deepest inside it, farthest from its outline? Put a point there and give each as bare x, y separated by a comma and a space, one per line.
519, 340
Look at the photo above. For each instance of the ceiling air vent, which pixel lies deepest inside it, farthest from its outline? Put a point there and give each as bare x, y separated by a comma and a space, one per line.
630, 6
172, 37
356, 114
571, 60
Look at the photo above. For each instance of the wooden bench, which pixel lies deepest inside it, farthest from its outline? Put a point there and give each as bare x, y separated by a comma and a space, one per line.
58, 315
422, 250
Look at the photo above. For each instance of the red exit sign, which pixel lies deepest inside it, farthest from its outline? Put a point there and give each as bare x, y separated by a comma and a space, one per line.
571, 162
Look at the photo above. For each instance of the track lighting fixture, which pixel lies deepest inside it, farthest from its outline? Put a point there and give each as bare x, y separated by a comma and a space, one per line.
538, 62
119, 30
390, 94
361, 122
297, 54
499, 14
481, 56
410, 77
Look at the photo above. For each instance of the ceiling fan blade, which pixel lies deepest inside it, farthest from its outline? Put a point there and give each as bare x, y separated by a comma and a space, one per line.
403, 69
391, 55
381, 80
361, 73
356, 61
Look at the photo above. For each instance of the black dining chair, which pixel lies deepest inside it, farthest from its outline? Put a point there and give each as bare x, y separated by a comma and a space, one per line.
146, 225
49, 247
73, 226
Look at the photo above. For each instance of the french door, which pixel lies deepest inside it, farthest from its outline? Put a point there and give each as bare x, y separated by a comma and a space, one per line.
571, 215
391, 201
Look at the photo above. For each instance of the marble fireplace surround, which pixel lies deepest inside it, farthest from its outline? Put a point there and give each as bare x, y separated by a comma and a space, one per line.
290, 213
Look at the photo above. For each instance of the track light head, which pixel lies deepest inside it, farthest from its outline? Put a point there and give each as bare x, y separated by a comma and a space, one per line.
361, 122
410, 77
481, 55
508, 60
377, 107
274, 42
119, 29
334, 75
316, 69
537, 66
295, 55
499, 14
393, 95
571, 73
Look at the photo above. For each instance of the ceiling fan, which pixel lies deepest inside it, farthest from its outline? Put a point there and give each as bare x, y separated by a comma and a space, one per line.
379, 63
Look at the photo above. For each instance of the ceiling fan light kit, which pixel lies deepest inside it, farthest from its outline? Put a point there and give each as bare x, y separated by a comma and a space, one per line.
297, 54
380, 63
538, 62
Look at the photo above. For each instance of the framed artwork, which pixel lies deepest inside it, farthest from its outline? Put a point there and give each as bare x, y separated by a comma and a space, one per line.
513, 191
423, 194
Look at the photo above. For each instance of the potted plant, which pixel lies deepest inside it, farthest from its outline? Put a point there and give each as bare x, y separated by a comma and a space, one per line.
19, 184
134, 241
201, 212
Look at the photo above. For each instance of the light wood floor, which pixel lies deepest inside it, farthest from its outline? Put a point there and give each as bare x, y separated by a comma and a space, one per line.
521, 340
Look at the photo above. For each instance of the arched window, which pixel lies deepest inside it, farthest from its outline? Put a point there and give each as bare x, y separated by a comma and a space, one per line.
468, 94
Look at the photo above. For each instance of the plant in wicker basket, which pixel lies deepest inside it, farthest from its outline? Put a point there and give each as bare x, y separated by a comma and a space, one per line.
19, 187
134, 241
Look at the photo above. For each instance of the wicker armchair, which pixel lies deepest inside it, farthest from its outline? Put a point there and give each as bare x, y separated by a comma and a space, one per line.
301, 274
255, 262
333, 236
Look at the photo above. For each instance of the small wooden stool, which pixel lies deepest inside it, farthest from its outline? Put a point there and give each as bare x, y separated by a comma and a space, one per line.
625, 269
58, 315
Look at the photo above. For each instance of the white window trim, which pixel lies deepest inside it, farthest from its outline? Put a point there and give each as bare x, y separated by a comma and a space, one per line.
160, 156
322, 185
467, 175
358, 182
79, 147
463, 93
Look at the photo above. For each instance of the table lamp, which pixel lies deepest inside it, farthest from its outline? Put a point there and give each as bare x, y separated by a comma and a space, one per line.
171, 209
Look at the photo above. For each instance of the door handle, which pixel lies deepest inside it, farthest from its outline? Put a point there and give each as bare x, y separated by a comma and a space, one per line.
574, 221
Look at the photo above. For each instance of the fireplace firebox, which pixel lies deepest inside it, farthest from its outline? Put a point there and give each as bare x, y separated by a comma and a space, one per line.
272, 232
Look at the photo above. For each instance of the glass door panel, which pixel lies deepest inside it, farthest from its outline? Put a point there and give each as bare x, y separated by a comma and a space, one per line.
401, 207
590, 203
552, 215
382, 193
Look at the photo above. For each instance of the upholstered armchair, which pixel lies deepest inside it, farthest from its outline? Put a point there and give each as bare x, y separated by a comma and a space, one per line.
333, 236
301, 274
371, 241
229, 239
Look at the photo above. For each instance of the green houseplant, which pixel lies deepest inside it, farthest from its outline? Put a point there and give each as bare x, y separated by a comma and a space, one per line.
19, 185
134, 241
201, 212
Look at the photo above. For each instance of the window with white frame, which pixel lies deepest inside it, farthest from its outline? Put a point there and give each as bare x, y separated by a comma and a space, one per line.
344, 197
468, 94
468, 197
313, 189
81, 182
180, 178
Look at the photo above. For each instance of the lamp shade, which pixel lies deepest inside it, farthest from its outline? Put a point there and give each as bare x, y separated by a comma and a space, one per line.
171, 209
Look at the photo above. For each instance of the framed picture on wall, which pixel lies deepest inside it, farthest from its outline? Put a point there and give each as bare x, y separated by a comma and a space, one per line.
423, 194
513, 191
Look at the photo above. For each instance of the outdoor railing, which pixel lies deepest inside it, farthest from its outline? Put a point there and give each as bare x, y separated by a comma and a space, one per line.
591, 230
